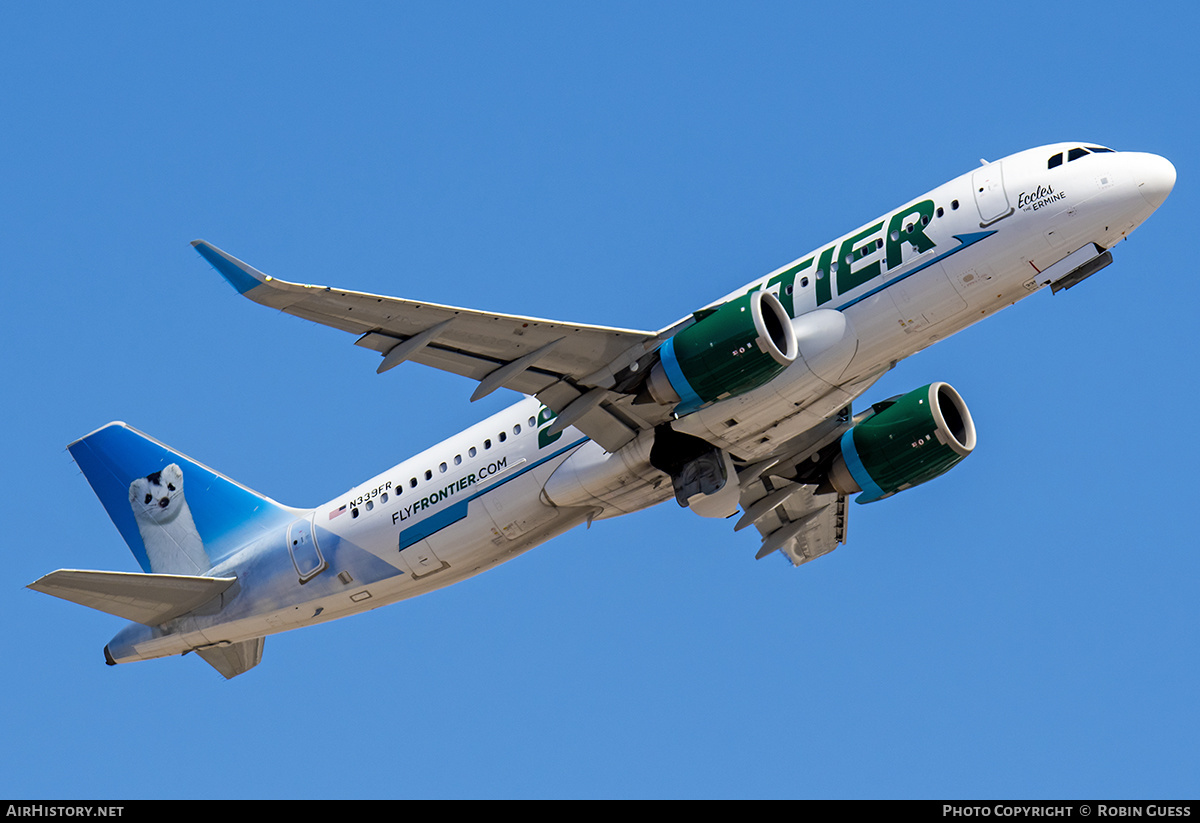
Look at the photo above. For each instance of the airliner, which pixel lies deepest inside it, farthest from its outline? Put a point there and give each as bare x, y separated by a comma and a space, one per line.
741, 409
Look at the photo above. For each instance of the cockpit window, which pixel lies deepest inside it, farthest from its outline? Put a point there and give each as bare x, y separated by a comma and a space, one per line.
1074, 154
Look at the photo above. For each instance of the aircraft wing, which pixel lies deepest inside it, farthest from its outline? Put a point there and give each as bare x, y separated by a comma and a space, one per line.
574, 369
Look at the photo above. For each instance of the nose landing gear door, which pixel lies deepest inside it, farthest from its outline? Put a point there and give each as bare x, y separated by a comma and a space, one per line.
306, 555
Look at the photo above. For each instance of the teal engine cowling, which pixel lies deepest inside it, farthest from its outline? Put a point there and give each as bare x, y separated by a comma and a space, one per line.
903, 442
728, 351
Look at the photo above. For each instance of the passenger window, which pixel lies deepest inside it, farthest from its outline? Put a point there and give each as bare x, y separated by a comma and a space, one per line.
517, 429
428, 474
472, 452
487, 444
457, 459
413, 482
1055, 161
503, 437
442, 468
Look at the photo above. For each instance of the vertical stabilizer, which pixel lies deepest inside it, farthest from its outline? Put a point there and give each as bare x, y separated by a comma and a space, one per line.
178, 516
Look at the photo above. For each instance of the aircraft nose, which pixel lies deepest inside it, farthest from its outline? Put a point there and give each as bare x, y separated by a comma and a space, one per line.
1156, 178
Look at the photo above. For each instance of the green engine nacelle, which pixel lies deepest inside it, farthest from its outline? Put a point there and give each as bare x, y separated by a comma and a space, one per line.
904, 443
730, 350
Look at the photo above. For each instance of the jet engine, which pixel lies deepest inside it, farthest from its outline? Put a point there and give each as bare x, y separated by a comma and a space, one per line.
902, 443
728, 351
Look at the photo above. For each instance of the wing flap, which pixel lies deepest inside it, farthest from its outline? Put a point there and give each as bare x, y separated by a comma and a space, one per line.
783, 504
803, 527
148, 599
530, 381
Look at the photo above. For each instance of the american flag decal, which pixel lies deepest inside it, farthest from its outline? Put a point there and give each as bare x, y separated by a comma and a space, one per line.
336, 512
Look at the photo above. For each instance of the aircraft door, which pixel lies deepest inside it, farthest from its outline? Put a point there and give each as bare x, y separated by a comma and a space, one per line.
990, 197
306, 555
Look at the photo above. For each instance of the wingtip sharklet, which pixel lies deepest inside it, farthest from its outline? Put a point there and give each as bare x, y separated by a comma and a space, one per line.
240, 275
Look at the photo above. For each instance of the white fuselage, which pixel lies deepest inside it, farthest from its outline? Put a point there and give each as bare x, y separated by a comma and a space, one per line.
918, 274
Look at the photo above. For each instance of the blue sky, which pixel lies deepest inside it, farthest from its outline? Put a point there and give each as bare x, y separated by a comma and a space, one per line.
1023, 627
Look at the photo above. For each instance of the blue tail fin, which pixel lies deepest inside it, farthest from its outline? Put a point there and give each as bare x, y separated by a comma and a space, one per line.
169, 528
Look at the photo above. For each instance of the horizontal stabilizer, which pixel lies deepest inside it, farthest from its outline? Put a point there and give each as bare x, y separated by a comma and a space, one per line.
148, 599
234, 658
